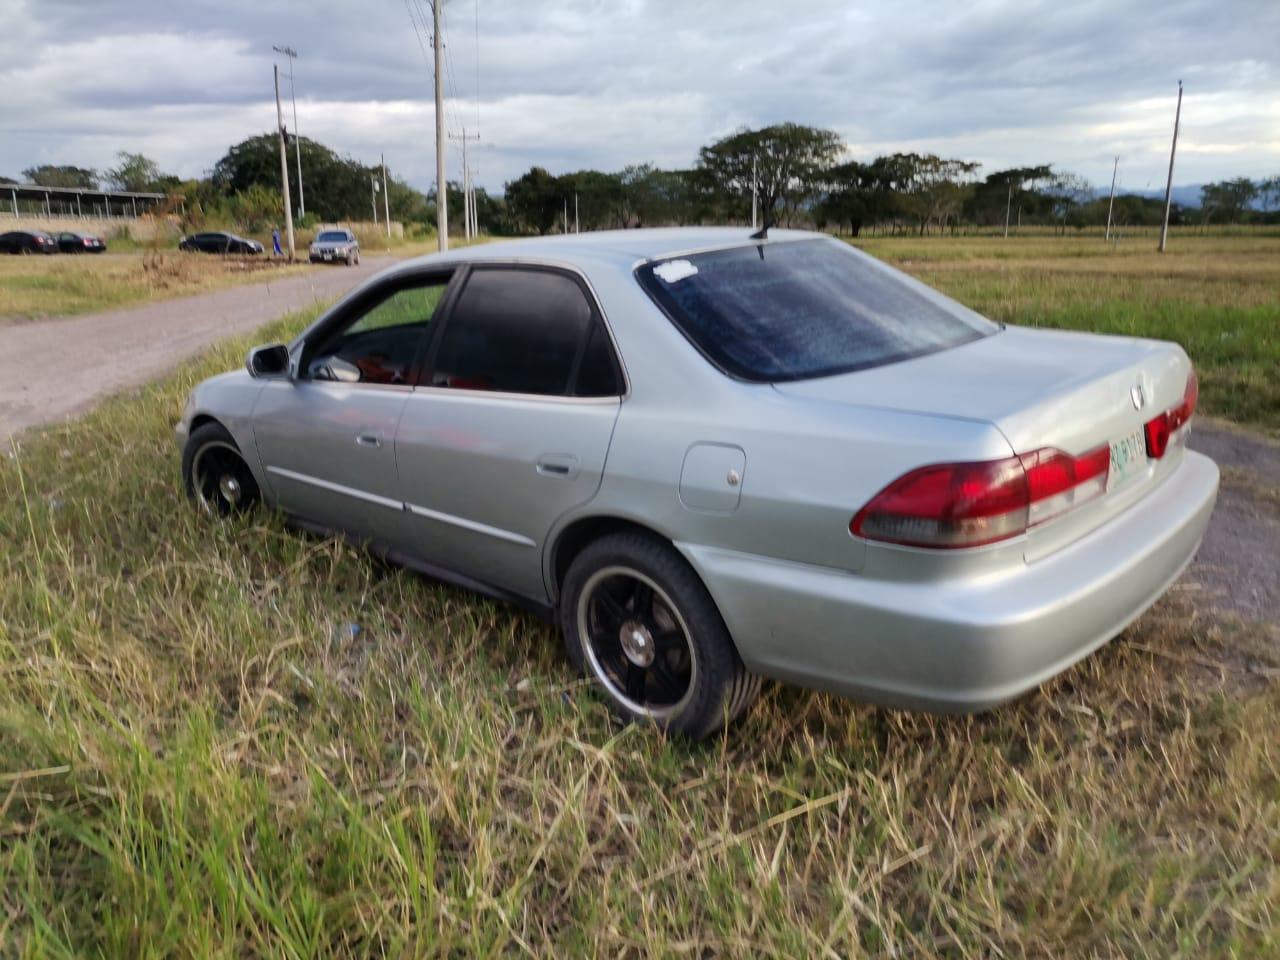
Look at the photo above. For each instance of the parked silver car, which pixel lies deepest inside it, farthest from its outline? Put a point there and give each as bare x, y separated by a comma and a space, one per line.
335, 246
713, 458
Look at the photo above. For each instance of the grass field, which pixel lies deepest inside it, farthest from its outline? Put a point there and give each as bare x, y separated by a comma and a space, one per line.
230, 740
1217, 295
48, 286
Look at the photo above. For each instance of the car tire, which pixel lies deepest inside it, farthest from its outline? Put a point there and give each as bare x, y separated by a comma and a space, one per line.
641, 625
215, 473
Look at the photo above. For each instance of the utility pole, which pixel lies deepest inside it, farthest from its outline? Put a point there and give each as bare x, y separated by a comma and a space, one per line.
467, 201
284, 166
1168, 187
566, 214
442, 187
297, 142
755, 189
576, 226
1008, 204
1112, 202
386, 200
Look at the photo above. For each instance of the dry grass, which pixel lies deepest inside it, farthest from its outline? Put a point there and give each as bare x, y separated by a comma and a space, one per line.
36, 287
200, 756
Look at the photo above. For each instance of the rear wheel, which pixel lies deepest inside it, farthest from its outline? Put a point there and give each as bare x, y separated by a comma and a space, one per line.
215, 474
640, 623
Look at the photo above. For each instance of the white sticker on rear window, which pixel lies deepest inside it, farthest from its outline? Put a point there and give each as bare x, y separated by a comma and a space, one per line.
674, 270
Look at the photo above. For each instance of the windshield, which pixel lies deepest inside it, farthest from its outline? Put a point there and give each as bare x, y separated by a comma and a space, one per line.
797, 309
332, 236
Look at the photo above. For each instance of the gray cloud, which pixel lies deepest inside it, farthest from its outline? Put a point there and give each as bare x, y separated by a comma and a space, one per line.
587, 83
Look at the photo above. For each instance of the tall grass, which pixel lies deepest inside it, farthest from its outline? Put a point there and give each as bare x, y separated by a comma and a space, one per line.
231, 739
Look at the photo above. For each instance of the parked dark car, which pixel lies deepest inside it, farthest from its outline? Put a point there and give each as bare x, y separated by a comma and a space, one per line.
219, 242
27, 241
70, 242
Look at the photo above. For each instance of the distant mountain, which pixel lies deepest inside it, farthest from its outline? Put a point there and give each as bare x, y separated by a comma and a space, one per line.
1186, 195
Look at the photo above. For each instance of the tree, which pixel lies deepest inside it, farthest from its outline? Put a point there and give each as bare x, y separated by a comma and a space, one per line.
1227, 201
337, 187
535, 200
139, 174
790, 161
51, 175
1067, 192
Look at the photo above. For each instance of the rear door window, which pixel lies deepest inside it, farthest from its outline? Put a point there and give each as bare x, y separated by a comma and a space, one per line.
523, 330
791, 310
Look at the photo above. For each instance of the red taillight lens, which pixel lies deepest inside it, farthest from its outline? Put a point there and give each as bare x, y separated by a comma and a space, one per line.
1161, 428
952, 505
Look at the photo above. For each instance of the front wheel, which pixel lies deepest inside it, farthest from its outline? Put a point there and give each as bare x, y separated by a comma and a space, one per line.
640, 623
215, 474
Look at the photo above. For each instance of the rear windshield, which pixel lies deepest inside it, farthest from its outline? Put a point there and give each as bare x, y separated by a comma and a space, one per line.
798, 309
331, 236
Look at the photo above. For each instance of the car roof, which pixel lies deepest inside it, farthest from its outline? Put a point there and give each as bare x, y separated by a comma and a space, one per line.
619, 249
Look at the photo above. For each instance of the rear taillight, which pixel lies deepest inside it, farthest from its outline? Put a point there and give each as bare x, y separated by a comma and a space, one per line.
950, 505
1162, 428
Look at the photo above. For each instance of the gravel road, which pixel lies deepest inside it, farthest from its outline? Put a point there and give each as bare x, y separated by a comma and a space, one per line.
54, 369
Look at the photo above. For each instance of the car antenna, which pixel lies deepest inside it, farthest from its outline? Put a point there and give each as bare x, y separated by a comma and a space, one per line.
763, 232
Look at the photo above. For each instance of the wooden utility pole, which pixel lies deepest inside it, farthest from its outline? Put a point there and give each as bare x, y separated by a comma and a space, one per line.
1112, 202
284, 167
442, 187
1168, 187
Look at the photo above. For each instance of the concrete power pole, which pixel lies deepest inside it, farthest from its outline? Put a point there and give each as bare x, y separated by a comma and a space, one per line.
1112, 202
468, 202
442, 186
1168, 187
1008, 205
386, 200
576, 228
755, 191
297, 141
284, 167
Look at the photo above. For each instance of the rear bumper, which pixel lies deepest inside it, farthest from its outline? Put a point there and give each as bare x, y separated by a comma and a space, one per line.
960, 645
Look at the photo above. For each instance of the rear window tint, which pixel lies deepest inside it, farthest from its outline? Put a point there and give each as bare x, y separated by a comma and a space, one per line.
798, 309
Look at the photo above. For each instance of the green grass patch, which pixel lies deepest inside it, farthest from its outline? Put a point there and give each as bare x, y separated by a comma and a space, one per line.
199, 756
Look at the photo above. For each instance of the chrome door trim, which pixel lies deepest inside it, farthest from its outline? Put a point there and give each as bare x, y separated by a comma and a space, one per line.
472, 525
337, 488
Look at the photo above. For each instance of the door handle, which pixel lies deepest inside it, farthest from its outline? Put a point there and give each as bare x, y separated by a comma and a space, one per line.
368, 440
562, 465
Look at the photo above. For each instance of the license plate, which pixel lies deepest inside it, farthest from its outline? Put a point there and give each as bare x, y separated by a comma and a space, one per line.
1128, 458
328, 256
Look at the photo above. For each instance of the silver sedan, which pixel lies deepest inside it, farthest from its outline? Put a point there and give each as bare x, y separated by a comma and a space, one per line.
713, 458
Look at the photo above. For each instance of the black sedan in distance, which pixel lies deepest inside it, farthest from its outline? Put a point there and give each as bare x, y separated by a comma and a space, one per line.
70, 242
219, 242
27, 241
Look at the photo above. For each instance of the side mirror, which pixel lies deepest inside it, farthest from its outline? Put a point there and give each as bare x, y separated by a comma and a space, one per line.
270, 361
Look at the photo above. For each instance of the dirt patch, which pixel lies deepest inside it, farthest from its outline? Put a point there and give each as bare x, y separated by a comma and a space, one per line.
1237, 570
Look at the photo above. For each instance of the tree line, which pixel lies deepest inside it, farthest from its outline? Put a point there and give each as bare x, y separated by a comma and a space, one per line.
801, 175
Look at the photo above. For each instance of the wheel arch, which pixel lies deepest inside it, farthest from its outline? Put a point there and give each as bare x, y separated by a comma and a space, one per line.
578, 534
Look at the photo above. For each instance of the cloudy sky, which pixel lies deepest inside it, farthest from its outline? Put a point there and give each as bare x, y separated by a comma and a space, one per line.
602, 83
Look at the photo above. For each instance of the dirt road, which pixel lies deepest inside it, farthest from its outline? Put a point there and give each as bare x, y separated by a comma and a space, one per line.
54, 369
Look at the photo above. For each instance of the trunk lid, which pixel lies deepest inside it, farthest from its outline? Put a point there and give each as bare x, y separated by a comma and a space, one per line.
1040, 388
